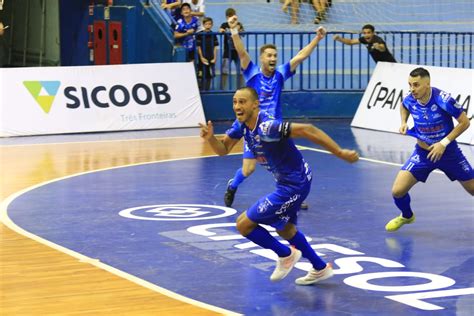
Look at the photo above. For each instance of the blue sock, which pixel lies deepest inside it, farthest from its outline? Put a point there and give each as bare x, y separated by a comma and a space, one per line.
262, 237
238, 178
403, 204
300, 242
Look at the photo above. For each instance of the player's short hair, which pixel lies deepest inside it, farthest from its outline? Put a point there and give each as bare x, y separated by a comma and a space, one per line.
230, 12
369, 27
185, 5
262, 49
252, 91
420, 71
207, 19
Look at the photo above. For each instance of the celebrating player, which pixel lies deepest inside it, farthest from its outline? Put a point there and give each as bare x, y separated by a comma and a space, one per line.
432, 111
268, 81
269, 141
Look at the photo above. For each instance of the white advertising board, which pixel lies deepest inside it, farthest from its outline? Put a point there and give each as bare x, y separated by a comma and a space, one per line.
55, 100
379, 107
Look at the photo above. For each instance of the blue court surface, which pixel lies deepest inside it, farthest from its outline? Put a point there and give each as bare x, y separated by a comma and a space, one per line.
166, 223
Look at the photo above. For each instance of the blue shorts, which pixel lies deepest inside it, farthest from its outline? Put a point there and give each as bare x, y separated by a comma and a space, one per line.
280, 207
452, 163
248, 154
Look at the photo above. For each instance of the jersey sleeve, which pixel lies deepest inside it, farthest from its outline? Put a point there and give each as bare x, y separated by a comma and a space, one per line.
235, 131
449, 104
251, 71
362, 40
180, 27
285, 70
273, 130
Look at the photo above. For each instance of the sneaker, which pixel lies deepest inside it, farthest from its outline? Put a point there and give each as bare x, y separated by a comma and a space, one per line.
285, 264
398, 222
315, 276
304, 206
229, 194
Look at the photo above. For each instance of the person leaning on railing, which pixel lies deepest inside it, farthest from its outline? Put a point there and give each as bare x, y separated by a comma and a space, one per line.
3, 46
375, 44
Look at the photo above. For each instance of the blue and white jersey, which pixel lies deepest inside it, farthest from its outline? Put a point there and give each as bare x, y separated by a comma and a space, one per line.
268, 88
273, 149
434, 120
187, 42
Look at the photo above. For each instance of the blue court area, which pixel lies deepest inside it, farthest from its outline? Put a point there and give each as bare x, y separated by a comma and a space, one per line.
165, 223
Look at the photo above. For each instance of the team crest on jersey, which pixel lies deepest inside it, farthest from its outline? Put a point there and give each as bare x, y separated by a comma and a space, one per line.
434, 107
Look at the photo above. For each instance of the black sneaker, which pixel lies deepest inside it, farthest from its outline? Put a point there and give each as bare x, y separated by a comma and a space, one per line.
229, 194
304, 206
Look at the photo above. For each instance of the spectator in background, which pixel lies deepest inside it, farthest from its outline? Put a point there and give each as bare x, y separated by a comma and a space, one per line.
197, 10
172, 7
207, 51
375, 45
230, 53
320, 6
295, 9
185, 29
3, 46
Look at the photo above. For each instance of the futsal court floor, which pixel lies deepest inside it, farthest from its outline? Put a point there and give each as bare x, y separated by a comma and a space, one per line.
146, 209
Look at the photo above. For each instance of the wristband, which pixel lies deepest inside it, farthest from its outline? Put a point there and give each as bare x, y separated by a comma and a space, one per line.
234, 31
445, 141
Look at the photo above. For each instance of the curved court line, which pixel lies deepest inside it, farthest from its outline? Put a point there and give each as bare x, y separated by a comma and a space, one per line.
5, 219
101, 141
360, 158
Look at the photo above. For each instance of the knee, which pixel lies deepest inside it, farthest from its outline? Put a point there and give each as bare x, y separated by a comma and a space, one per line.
248, 169
398, 191
288, 232
244, 225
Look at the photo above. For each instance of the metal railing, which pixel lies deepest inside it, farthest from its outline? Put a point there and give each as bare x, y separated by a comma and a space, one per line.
336, 66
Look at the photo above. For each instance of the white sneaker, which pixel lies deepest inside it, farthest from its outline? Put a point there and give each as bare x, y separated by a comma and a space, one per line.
285, 264
315, 276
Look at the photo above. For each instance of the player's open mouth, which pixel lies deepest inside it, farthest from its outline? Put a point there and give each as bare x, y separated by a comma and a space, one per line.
239, 114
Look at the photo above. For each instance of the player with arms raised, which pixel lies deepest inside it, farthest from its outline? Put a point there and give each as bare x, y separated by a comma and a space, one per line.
268, 81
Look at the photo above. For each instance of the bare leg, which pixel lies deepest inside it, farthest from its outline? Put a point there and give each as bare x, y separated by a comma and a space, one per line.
295, 9
468, 186
403, 183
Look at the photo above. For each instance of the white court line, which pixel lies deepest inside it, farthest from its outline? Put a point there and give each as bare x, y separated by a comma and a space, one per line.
98, 141
360, 158
5, 219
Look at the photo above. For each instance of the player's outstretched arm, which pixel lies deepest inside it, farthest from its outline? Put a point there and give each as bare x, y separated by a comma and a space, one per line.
347, 41
221, 147
238, 44
319, 137
308, 49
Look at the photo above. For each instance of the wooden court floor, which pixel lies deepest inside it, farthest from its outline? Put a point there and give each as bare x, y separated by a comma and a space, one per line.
38, 280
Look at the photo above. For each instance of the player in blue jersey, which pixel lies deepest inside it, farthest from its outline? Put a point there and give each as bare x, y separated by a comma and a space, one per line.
269, 140
185, 29
432, 110
268, 81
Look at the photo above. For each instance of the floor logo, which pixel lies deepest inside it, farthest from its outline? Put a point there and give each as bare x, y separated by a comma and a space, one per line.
177, 212
43, 92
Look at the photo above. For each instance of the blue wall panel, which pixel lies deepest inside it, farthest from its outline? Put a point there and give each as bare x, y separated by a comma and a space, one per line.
334, 104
